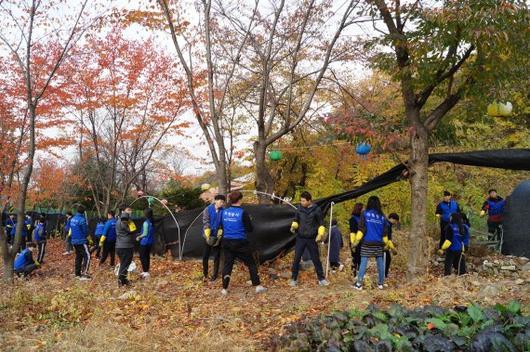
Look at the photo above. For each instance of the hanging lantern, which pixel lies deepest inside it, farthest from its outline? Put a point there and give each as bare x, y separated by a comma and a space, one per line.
363, 149
205, 186
496, 109
275, 155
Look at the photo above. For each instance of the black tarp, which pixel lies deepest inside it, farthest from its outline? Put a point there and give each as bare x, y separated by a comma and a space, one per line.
271, 236
517, 222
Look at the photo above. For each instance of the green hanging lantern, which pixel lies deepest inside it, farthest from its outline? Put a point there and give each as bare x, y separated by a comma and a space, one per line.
275, 155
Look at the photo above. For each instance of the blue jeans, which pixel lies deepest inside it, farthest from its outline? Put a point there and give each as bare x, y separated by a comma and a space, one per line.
380, 270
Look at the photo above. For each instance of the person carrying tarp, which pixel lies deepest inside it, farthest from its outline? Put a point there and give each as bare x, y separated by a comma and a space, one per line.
24, 263
444, 210
80, 241
354, 227
335, 243
373, 231
39, 237
393, 219
68, 238
146, 239
494, 207
236, 223
108, 240
212, 217
308, 226
456, 243
125, 239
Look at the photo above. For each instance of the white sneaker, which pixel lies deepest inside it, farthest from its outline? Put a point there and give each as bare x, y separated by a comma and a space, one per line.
358, 286
323, 282
224, 291
380, 287
84, 278
341, 267
67, 253
145, 275
293, 283
260, 289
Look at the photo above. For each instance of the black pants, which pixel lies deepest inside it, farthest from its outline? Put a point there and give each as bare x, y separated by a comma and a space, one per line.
388, 260
312, 247
42, 249
494, 229
443, 225
109, 248
238, 249
96, 248
454, 259
145, 258
355, 259
82, 259
215, 252
22, 243
68, 243
26, 270
125, 255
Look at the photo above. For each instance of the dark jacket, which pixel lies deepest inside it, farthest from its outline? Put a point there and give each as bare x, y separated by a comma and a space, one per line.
124, 237
309, 220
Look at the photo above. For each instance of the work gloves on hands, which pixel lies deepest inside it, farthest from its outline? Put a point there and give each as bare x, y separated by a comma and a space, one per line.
445, 245
321, 234
294, 227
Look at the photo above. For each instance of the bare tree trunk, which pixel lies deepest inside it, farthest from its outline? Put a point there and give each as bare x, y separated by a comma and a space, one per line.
418, 169
264, 179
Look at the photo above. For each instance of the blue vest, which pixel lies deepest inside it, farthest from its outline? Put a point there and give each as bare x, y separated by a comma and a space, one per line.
79, 229
375, 226
458, 241
149, 239
110, 230
215, 218
39, 234
233, 227
448, 209
496, 208
99, 229
23, 258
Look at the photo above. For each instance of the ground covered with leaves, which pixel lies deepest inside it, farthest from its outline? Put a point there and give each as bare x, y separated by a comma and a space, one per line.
175, 310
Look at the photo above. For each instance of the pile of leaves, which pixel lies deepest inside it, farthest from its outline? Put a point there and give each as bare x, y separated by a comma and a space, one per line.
430, 329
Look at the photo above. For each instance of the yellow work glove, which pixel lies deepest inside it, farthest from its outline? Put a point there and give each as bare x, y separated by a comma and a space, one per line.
102, 241
445, 245
132, 226
37, 264
353, 239
220, 233
441, 252
69, 233
294, 227
357, 238
28, 226
207, 233
482, 213
388, 243
438, 215
90, 241
321, 233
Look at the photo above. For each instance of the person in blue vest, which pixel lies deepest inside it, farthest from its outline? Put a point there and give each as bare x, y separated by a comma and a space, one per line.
98, 232
24, 263
11, 224
68, 248
79, 234
39, 237
444, 209
354, 227
236, 224
456, 243
373, 231
494, 207
108, 239
393, 220
146, 239
335, 243
212, 217
308, 226
25, 236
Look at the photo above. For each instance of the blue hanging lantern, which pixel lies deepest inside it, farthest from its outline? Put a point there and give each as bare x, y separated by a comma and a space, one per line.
363, 149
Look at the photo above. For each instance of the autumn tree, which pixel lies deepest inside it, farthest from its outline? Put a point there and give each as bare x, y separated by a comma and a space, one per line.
439, 53
127, 101
37, 38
